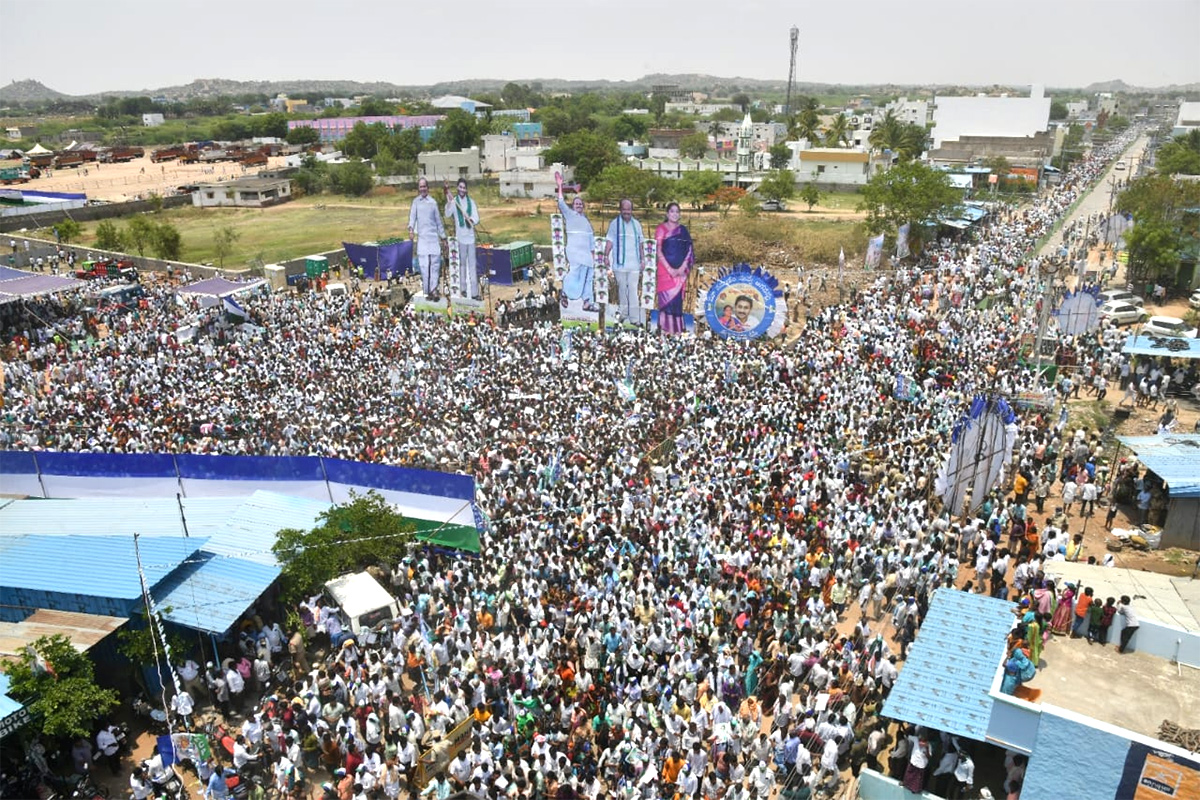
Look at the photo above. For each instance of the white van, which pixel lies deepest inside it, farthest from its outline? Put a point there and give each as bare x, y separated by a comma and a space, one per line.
335, 289
363, 603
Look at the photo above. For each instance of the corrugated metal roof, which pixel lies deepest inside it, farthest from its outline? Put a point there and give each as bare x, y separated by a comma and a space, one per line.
945, 681
210, 594
98, 566
1174, 457
84, 630
249, 532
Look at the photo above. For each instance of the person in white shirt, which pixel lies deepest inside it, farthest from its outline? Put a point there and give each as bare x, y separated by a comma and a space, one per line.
427, 231
462, 209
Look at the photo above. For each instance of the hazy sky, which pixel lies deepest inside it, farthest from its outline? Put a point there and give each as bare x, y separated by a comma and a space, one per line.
89, 46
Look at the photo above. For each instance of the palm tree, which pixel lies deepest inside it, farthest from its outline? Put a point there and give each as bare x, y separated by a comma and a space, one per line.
838, 131
911, 142
886, 133
808, 126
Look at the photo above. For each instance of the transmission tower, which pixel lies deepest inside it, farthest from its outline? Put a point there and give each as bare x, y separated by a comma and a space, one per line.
787, 106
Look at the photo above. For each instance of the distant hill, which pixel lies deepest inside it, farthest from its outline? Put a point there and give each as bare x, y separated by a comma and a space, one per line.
32, 91
28, 91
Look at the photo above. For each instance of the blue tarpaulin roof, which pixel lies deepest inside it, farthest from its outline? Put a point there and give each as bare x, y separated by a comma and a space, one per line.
945, 681
1173, 457
1144, 345
7, 704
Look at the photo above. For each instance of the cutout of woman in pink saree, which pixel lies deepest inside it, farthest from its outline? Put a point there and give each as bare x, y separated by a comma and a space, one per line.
675, 259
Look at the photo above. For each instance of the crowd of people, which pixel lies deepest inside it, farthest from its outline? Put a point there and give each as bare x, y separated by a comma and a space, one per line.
701, 586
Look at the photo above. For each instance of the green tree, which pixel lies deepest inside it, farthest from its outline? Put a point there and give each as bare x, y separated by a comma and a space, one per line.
779, 185
999, 166
363, 532
405, 144
456, 132
362, 141
1154, 250
624, 180
232, 130
58, 686
354, 179
137, 643
1180, 156
1058, 109
138, 234
224, 238
781, 156
908, 192
108, 236
303, 135
589, 152
810, 195
726, 115
626, 127
1165, 225
68, 230
749, 205
376, 107
658, 105
694, 145
273, 124
167, 242
695, 187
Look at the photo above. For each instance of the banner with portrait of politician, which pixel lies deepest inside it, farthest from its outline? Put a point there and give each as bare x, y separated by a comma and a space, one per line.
745, 303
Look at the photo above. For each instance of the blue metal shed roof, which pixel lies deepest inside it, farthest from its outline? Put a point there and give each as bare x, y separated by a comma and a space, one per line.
210, 593
944, 684
1174, 457
94, 566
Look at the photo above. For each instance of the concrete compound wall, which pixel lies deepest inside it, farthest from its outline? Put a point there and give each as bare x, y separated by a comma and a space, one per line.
46, 219
44, 247
873, 786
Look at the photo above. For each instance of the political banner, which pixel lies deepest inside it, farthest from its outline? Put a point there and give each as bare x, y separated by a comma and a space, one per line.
902, 250
1155, 774
874, 251
745, 304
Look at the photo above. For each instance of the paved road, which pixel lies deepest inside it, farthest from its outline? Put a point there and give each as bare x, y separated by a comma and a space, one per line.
1098, 199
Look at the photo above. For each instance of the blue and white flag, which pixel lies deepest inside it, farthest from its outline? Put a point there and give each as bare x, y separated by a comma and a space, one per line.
233, 309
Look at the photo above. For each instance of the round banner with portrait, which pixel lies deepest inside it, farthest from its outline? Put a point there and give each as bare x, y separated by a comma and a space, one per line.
741, 305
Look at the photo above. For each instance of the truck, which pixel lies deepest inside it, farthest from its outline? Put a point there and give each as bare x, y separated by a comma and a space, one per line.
253, 159
166, 154
9, 175
108, 268
119, 155
63, 160
362, 603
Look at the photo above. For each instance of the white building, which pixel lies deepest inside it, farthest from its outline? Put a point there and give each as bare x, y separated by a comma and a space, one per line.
832, 166
699, 109
500, 152
243, 193
152, 120
1076, 107
909, 112
1188, 119
437, 165
996, 117
533, 183
732, 172
458, 101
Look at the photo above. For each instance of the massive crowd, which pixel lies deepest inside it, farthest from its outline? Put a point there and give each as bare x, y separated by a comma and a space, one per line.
700, 591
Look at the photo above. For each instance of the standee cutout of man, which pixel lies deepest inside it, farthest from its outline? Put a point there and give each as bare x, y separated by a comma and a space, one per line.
426, 230
462, 209
581, 244
624, 253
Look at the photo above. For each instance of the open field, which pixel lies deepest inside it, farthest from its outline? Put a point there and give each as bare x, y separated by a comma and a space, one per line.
317, 224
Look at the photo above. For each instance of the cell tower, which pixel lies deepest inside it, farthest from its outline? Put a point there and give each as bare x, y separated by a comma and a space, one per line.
787, 106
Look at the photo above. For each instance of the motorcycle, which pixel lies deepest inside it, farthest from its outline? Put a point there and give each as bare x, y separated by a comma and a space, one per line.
88, 789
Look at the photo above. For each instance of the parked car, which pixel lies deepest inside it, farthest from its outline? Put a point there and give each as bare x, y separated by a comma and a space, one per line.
1122, 295
1121, 312
773, 205
1194, 300
1168, 326
1120, 166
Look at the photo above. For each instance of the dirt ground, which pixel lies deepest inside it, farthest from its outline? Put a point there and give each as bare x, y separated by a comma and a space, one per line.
137, 179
